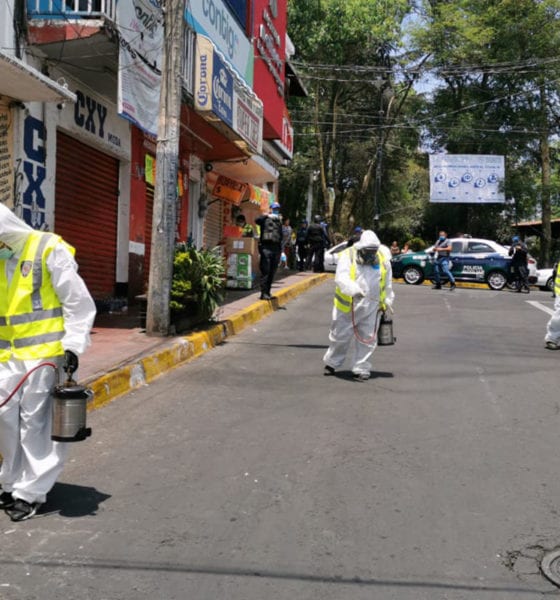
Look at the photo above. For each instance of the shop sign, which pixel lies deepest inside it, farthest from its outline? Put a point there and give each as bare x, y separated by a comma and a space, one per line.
229, 189
222, 91
239, 9
6, 157
249, 119
212, 18
287, 141
219, 91
269, 46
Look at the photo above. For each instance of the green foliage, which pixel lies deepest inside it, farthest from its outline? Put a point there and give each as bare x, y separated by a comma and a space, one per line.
198, 281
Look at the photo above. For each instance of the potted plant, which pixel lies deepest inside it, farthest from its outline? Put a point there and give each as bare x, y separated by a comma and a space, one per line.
198, 285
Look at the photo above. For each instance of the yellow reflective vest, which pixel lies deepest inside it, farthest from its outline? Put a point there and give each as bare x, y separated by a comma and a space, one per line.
344, 302
31, 318
557, 283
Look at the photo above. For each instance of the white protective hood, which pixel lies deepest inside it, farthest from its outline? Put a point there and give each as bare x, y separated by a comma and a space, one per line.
13, 231
368, 239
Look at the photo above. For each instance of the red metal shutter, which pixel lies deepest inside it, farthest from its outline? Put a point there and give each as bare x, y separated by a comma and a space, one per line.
148, 232
86, 210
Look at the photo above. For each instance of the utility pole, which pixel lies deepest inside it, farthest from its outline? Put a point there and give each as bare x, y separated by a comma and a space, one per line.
164, 220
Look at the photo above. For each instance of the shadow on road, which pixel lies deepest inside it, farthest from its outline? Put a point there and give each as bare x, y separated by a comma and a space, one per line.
73, 500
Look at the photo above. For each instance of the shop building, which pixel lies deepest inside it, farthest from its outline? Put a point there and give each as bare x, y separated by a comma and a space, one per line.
81, 169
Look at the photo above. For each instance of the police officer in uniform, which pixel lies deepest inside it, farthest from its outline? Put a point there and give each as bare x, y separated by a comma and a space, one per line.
270, 247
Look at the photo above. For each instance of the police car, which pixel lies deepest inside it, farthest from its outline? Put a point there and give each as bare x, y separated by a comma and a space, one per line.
472, 259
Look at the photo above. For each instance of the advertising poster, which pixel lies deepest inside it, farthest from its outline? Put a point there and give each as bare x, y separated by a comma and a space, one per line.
6, 157
140, 27
467, 178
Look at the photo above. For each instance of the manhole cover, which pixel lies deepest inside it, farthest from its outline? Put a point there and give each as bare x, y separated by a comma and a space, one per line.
550, 566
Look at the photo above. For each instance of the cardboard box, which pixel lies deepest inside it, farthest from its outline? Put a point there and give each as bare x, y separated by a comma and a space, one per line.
241, 283
242, 245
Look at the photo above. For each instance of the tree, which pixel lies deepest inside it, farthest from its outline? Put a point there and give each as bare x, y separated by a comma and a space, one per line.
347, 54
498, 60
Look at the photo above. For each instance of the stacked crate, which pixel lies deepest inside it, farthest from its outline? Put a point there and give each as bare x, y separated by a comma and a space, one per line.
242, 263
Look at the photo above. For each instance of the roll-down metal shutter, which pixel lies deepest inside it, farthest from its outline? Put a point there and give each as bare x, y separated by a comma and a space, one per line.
148, 232
213, 224
86, 210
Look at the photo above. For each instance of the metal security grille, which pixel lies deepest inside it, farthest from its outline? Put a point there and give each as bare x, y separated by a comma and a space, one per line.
86, 210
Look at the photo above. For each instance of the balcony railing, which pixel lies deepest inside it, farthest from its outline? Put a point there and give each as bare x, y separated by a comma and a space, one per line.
71, 9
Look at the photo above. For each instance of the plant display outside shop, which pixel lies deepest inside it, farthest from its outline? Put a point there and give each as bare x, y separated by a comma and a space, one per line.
198, 285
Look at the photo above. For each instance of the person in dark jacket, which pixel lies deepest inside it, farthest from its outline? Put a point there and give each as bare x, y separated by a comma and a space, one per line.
270, 247
301, 245
520, 264
317, 242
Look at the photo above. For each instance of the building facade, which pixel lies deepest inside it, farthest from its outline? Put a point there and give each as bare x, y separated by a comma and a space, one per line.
78, 132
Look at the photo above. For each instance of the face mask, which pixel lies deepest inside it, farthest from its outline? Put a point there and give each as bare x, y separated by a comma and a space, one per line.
367, 256
6, 253
441, 238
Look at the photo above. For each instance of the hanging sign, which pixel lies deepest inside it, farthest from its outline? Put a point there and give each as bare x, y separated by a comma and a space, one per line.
229, 189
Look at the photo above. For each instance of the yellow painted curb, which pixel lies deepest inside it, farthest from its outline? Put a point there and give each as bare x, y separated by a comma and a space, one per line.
129, 377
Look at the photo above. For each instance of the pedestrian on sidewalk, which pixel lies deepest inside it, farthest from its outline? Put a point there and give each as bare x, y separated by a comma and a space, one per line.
363, 289
46, 314
270, 247
301, 246
317, 241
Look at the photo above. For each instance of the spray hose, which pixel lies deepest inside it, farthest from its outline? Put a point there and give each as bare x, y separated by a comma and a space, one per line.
375, 328
24, 378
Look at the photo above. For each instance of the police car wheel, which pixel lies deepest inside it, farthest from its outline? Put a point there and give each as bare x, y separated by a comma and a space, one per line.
413, 275
496, 280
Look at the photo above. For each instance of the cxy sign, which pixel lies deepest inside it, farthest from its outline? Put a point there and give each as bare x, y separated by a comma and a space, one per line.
90, 114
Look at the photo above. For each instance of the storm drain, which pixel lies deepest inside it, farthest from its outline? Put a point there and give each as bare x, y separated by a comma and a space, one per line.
550, 566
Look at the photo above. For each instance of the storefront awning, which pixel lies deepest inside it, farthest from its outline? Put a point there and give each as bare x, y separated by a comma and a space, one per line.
22, 82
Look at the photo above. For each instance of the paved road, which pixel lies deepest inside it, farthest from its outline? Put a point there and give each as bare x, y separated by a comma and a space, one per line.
248, 475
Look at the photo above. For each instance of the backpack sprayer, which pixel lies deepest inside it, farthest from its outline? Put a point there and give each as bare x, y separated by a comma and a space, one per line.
383, 329
69, 406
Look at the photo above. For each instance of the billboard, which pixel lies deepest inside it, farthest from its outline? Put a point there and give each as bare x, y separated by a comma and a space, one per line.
467, 178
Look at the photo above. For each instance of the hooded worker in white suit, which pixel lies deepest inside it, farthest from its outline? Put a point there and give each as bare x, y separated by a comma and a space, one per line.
46, 314
363, 290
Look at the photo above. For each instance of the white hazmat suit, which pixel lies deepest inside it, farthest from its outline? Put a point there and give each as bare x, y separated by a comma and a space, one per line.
552, 337
354, 324
31, 462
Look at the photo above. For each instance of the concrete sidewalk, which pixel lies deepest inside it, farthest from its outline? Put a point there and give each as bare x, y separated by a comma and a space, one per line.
122, 357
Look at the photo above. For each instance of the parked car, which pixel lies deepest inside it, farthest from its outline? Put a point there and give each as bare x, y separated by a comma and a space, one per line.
473, 259
545, 279
330, 259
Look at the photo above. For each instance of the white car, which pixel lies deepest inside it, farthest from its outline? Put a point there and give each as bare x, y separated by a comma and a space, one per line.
331, 257
545, 279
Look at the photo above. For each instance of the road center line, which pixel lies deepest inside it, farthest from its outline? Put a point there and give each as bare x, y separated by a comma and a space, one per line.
540, 306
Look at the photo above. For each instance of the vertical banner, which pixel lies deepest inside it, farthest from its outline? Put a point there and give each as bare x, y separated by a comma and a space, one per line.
140, 31
6, 157
467, 178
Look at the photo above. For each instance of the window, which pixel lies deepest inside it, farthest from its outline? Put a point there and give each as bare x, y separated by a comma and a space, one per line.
479, 247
